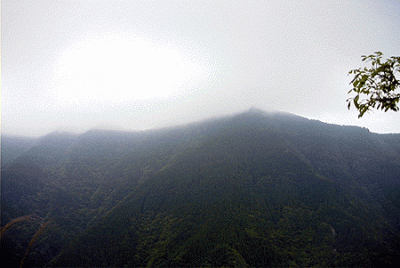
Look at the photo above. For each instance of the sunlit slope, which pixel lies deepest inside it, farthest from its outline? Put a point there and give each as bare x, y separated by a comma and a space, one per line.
252, 189
244, 191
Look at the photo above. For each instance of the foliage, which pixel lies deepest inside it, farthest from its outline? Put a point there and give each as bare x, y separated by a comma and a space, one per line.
34, 233
377, 86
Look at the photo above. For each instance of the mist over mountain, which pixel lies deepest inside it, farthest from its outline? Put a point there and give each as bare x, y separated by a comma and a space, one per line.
13, 146
251, 189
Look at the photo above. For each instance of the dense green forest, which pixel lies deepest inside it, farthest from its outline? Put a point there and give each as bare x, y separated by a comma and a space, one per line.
254, 189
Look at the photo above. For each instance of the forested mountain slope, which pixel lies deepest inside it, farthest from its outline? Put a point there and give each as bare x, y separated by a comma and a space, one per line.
252, 189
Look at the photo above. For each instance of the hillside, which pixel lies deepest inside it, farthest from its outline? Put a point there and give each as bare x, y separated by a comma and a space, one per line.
13, 146
251, 189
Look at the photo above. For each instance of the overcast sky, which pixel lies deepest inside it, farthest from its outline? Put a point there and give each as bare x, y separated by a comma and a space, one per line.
77, 65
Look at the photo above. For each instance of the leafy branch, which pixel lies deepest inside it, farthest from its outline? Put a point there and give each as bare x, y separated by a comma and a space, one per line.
376, 87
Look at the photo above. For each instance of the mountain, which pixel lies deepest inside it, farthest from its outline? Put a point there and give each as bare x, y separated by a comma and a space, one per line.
251, 189
14, 146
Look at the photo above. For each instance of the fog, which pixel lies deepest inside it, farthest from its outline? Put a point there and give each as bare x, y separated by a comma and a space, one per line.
131, 65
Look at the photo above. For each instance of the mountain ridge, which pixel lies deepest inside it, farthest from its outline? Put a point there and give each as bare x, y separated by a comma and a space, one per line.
255, 188
253, 111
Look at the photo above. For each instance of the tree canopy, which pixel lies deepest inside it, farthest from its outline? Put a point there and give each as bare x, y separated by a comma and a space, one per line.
377, 86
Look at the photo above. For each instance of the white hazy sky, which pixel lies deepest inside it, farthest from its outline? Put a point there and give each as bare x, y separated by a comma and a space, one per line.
77, 65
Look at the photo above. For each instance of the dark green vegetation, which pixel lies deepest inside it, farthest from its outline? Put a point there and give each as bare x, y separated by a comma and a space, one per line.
254, 189
376, 87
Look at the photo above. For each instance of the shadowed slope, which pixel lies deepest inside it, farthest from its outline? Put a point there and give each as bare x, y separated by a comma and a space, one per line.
252, 189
